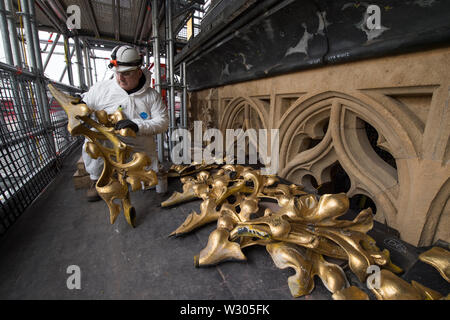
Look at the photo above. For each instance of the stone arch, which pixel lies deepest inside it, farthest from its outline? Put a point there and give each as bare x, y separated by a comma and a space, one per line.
235, 106
345, 141
434, 214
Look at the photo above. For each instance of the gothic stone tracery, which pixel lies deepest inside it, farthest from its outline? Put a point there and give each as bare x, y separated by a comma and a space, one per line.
323, 116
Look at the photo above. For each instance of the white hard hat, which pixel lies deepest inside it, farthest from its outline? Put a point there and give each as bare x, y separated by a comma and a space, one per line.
125, 58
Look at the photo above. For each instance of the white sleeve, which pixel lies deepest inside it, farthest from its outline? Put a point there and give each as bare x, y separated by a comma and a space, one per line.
159, 121
90, 97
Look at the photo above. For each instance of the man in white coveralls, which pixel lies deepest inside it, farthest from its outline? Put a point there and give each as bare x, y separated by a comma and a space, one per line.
130, 91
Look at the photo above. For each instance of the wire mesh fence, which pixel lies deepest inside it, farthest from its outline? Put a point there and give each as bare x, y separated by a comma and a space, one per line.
33, 141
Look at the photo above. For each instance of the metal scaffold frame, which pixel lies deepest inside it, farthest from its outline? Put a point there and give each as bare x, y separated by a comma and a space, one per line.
33, 134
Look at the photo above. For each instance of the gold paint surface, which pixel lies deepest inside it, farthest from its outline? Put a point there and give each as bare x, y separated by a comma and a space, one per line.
122, 167
439, 258
299, 232
395, 288
219, 249
350, 293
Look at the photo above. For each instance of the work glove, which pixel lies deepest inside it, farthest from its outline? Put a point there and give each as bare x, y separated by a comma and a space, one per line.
122, 124
79, 99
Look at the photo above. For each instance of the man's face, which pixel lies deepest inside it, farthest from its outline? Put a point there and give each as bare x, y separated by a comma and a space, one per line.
128, 80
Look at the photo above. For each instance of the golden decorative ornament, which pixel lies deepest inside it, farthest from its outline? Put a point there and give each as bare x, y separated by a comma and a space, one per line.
122, 167
350, 293
439, 258
393, 287
301, 232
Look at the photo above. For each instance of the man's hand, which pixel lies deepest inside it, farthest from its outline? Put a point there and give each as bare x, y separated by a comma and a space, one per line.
122, 124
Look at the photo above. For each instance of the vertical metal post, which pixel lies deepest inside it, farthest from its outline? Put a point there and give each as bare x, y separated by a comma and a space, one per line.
52, 49
20, 94
16, 86
80, 62
184, 101
147, 57
68, 68
29, 35
34, 48
68, 57
12, 31
157, 66
90, 64
39, 67
32, 55
169, 38
41, 91
155, 38
87, 62
95, 66
6, 43
166, 74
36, 92
35, 33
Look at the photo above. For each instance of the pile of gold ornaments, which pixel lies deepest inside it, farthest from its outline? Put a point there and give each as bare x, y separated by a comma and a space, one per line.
301, 233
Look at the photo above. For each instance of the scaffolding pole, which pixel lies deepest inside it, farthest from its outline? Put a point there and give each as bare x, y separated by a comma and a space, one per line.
87, 63
68, 58
34, 54
16, 60
147, 57
12, 31
20, 94
95, 65
35, 51
19, 89
90, 63
6, 43
184, 122
40, 69
171, 78
52, 49
28, 36
9, 55
157, 66
35, 33
68, 68
79, 55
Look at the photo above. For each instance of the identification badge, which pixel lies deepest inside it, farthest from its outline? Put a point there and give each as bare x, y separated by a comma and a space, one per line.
144, 115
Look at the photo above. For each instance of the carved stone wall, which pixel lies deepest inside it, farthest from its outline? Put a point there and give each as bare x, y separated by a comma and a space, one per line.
324, 116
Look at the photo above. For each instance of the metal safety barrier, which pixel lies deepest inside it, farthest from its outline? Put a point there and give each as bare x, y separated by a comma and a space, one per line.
33, 140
